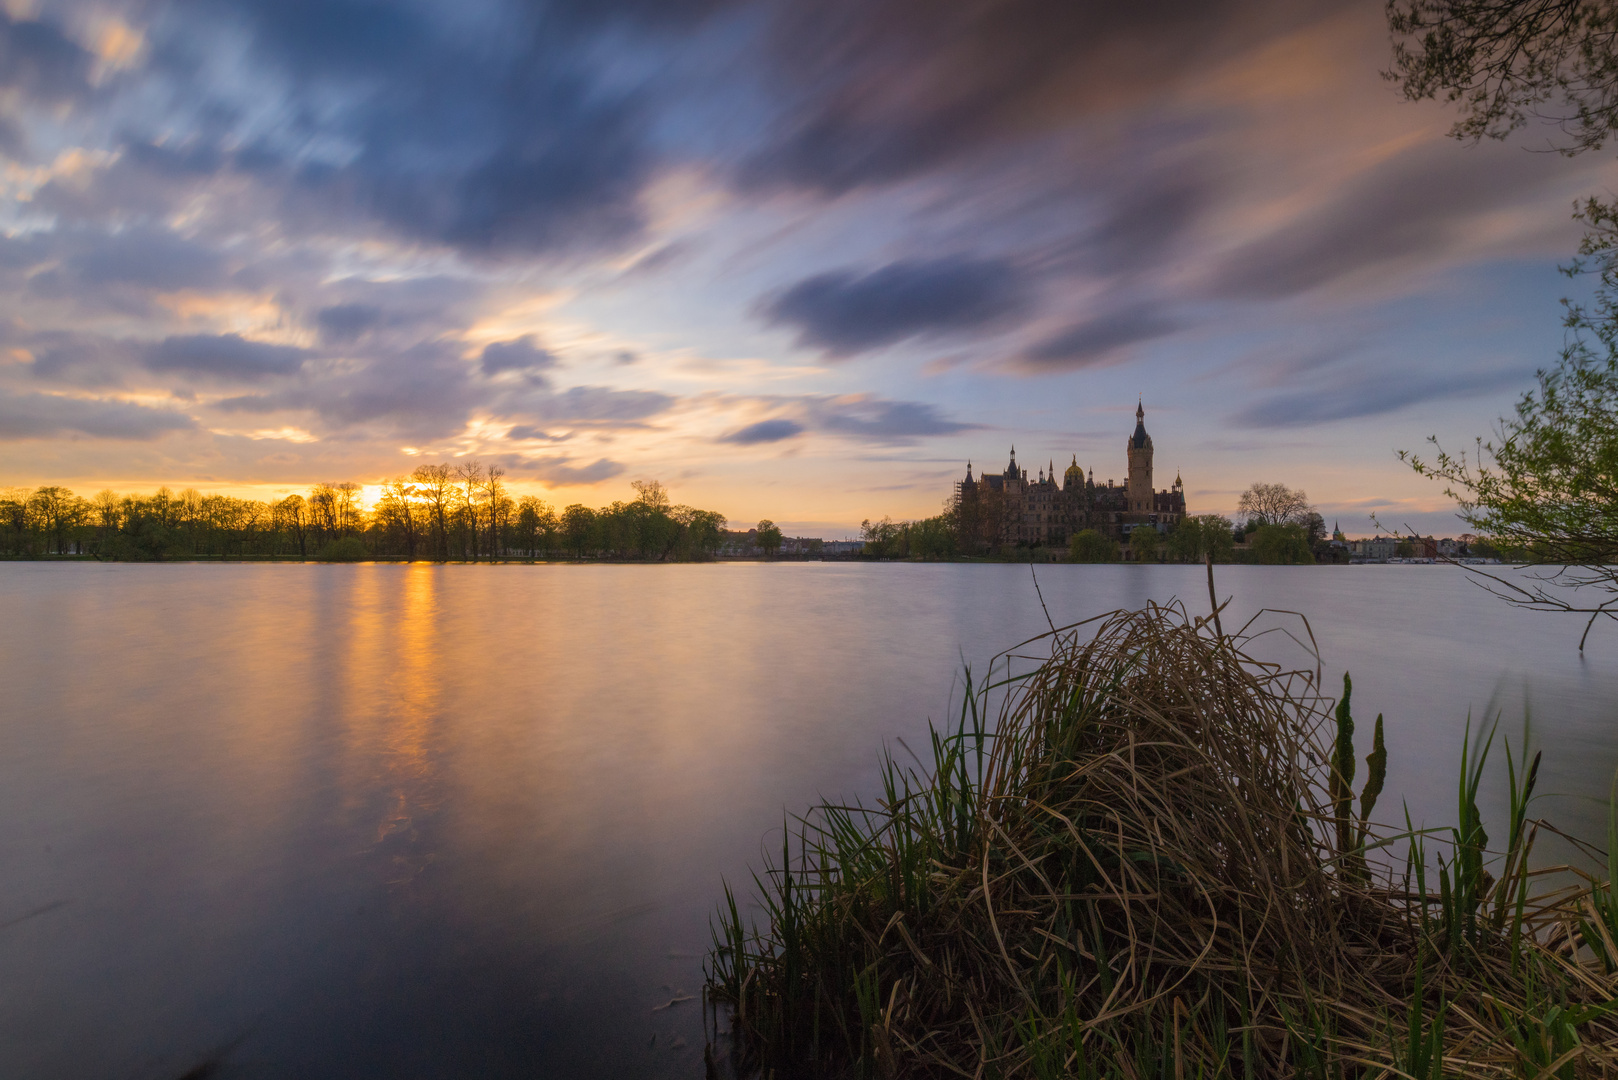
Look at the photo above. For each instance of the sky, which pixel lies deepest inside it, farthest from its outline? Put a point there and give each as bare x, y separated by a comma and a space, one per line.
796, 259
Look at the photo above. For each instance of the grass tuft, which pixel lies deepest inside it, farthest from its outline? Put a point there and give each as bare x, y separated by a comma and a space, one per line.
1146, 866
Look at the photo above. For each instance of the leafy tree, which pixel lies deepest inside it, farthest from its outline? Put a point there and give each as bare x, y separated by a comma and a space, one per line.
535, 522
1204, 536
930, 538
1091, 546
701, 532
881, 538
769, 537
1274, 504
1508, 61
1143, 544
578, 523
1280, 545
1547, 481
1315, 527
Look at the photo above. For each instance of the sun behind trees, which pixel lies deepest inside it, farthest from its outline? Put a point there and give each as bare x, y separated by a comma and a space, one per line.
441, 512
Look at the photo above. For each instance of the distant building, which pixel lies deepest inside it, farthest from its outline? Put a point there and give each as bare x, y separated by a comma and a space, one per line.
1376, 549
1042, 511
736, 544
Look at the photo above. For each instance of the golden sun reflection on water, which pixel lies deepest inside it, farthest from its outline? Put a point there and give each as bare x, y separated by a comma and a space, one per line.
395, 694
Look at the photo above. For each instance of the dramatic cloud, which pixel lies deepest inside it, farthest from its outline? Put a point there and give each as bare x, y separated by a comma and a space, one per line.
1020, 213
879, 92
512, 145
1099, 340
226, 356
523, 354
765, 431
845, 312
43, 416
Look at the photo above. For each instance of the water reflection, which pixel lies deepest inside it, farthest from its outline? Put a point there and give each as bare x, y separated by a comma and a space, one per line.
421, 821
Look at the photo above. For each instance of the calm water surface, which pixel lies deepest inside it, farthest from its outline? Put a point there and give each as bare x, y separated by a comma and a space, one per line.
419, 821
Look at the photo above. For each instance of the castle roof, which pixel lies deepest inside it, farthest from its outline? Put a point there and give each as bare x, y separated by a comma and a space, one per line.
1138, 440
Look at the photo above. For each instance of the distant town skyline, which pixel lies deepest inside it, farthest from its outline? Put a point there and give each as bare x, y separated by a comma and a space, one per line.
797, 261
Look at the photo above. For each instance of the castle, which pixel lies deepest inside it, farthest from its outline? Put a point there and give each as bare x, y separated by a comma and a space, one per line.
1008, 508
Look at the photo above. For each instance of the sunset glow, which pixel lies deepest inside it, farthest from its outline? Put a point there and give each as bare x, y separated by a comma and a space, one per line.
249, 248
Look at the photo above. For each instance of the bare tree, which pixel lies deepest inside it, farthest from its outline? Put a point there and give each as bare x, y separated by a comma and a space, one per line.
470, 474
58, 511
1275, 504
651, 492
398, 496
492, 493
292, 516
435, 483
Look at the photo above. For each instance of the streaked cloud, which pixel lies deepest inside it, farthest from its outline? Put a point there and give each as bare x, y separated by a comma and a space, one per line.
845, 312
765, 431
44, 416
296, 233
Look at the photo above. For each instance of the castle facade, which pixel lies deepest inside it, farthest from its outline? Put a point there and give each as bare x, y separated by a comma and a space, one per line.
1009, 509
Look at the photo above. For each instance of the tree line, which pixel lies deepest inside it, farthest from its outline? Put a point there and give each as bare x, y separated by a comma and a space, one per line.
438, 512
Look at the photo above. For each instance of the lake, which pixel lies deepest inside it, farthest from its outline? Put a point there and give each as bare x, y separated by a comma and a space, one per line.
422, 821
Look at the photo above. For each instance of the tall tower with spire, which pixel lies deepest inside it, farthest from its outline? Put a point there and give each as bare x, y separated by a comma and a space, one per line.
1141, 497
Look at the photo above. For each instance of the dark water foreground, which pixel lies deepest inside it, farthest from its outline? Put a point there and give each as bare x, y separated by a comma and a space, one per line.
410, 821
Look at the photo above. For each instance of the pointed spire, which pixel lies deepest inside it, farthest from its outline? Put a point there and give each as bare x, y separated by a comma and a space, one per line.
1140, 409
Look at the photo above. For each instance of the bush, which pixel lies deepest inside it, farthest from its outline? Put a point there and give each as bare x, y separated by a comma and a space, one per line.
348, 549
1090, 546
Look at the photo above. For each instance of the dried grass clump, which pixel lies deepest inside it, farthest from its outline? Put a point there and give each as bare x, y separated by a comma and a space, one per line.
1150, 864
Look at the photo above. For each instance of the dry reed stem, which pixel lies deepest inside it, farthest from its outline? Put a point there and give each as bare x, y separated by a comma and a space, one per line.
1135, 869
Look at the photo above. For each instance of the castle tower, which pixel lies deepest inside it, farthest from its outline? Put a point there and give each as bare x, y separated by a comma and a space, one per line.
1141, 498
